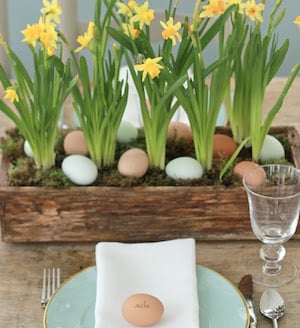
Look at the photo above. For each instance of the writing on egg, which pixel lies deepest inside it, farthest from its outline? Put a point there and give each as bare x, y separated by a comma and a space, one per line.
143, 305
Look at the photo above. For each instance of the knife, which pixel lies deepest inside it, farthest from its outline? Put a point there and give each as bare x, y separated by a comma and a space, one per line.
246, 288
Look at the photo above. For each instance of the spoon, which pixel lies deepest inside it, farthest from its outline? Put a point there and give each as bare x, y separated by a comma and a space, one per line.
272, 305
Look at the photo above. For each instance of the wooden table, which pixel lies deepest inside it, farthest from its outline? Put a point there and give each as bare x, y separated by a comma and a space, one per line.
21, 265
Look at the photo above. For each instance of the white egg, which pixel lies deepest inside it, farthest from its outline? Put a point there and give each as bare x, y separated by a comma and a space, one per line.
27, 149
80, 169
271, 149
127, 132
184, 167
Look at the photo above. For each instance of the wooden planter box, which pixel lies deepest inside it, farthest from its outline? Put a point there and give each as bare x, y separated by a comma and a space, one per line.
92, 214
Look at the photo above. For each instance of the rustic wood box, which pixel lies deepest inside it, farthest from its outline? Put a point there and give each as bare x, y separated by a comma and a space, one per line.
92, 214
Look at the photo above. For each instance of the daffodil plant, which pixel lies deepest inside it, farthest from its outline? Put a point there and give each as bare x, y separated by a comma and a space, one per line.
202, 97
256, 61
158, 72
100, 105
38, 99
149, 71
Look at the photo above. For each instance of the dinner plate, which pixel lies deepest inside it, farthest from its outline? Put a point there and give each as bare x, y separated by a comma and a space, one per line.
220, 302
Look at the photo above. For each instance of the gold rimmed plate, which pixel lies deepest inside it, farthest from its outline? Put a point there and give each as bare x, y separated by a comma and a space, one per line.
220, 302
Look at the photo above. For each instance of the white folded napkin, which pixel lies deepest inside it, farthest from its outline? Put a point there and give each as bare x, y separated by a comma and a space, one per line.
166, 270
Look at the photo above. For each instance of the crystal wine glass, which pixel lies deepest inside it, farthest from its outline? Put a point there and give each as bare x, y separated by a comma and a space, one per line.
274, 200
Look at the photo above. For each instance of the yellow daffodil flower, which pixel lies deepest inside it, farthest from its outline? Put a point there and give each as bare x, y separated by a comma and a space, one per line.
130, 30
214, 8
84, 40
143, 15
151, 67
52, 11
132, 4
33, 32
254, 11
48, 36
51, 51
124, 9
297, 21
171, 30
91, 29
44, 32
11, 94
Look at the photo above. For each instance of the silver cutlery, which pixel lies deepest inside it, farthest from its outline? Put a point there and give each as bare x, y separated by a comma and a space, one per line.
272, 305
246, 288
51, 281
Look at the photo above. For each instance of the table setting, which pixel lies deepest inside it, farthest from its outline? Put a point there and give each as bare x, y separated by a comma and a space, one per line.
55, 270
159, 283
94, 296
22, 272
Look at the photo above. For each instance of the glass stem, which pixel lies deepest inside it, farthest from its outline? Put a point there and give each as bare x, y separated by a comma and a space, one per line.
272, 254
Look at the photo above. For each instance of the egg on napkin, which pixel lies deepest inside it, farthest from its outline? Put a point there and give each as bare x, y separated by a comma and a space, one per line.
80, 169
142, 310
165, 271
133, 163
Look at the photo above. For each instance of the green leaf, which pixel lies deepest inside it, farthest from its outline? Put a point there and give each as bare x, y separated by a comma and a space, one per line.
277, 60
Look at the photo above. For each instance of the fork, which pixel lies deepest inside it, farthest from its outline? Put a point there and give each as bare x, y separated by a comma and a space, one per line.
51, 281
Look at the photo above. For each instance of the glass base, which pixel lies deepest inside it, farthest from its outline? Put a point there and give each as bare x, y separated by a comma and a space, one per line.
287, 274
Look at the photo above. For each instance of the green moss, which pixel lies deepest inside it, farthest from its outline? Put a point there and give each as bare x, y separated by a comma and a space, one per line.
22, 171
12, 144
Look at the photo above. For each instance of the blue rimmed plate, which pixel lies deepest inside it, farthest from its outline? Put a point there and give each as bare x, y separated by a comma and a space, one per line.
220, 302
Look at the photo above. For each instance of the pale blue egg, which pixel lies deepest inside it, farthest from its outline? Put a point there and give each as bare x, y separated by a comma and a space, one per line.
272, 149
185, 167
127, 132
80, 169
27, 149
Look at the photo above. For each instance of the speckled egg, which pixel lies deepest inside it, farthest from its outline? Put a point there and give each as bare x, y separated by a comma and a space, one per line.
223, 146
80, 169
142, 310
185, 167
27, 149
75, 144
243, 167
179, 130
127, 132
133, 163
271, 149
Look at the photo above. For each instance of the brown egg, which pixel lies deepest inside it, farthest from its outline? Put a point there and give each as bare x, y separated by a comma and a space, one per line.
75, 144
142, 310
255, 177
244, 167
223, 145
179, 130
133, 163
